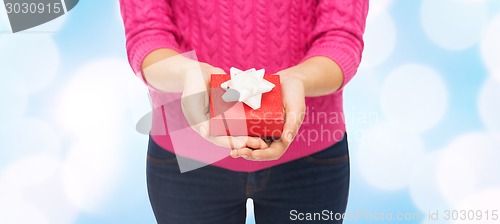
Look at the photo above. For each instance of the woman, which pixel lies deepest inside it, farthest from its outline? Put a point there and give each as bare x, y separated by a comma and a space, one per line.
314, 45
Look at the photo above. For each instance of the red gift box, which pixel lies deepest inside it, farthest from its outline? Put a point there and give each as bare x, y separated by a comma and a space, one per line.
238, 119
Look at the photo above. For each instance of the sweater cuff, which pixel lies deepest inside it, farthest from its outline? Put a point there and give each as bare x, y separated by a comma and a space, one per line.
345, 58
145, 45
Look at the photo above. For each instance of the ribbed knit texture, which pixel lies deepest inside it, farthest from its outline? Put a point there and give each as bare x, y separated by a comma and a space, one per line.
270, 34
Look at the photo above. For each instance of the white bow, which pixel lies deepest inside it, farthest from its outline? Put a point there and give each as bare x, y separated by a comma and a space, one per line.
246, 86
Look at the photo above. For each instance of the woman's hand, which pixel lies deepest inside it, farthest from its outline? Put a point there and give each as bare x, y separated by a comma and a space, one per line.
316, 76
292, 90
195, 106
169, 71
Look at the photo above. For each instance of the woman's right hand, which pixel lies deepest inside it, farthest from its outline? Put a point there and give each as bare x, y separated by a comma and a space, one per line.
167, 70
195, 106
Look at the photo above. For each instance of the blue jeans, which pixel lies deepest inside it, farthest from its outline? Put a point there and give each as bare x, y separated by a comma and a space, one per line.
315, 187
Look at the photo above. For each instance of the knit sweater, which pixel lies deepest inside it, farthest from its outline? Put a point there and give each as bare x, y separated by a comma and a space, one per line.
270, 34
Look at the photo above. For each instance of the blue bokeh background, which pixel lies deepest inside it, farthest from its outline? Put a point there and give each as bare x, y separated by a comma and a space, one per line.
422, 112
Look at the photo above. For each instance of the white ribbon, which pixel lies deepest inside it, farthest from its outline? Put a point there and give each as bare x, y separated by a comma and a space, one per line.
246, 86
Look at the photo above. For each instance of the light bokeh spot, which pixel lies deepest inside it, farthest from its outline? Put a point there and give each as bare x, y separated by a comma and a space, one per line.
380, 40
95, 99
490, 46
466, 166
387, 157
52, 201
31, 170
485, 201
28, 136
13, 101
414, 98
454, 24
139, 103
92, 109
14, 206
380, 6
423, 189
90, 173
34, 59
489, 105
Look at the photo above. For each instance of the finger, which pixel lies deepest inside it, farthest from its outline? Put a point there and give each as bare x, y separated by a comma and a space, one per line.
245, 153
294, 103
252, 143
291, 126
195, 81
234, 153
195, 98
274, 152
256, 143
194, 109
231, 142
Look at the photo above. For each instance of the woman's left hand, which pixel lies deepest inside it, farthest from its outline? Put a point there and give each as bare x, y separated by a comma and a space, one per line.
292, 90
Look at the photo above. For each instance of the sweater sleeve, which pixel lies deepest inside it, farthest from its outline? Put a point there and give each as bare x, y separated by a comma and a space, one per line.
338, 33
148, 26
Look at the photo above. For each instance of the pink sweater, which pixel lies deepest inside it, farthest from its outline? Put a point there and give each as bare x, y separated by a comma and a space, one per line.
270, 34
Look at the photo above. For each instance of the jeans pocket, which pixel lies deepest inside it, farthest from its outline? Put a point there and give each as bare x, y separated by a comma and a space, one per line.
335, 154
158, 155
